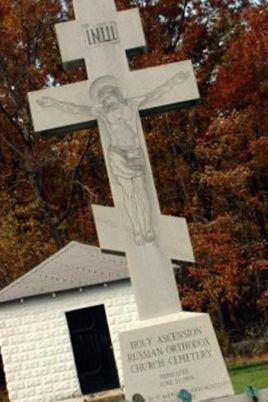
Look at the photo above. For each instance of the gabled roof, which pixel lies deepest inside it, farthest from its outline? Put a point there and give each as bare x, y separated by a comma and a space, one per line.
75, 266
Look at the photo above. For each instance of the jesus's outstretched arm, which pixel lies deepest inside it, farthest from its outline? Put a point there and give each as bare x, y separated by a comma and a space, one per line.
67, 107
156, 93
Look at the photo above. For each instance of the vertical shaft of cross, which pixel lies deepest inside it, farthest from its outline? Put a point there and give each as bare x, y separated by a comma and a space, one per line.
152, 275
133, 189
134, 195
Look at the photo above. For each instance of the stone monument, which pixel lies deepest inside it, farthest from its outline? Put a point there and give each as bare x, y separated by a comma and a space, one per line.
167, 350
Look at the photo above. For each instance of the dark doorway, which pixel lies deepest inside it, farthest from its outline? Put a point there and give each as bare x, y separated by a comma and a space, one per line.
3, 385
92, 348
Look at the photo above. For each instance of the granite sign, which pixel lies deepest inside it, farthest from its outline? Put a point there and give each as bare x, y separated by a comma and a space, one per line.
183, 353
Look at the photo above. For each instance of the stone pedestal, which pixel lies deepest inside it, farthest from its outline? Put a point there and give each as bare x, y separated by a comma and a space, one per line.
163, 355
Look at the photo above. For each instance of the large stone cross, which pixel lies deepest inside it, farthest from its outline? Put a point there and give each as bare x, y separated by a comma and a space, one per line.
113, 96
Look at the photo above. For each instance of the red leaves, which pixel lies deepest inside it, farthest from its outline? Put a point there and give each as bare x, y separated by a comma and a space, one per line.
259, 150
260, 265
245, 64
209, 162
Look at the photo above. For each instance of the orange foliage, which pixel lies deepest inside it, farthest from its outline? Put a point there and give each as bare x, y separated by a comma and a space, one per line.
209, 162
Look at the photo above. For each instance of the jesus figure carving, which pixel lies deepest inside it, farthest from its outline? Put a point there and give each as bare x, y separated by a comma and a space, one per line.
119, 115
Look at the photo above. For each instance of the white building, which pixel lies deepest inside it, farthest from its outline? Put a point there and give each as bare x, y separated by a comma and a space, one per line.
58, 324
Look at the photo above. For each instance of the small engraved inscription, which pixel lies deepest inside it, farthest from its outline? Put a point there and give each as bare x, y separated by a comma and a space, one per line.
101, 34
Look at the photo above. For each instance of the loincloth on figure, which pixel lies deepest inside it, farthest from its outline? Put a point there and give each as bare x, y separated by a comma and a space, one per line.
127, 164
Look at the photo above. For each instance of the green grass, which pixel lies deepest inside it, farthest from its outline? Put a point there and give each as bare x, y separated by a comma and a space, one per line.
255, 374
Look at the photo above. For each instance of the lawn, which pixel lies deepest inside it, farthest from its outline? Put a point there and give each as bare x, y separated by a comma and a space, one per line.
255, 374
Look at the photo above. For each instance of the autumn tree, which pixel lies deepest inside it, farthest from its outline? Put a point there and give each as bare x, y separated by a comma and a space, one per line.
209, 162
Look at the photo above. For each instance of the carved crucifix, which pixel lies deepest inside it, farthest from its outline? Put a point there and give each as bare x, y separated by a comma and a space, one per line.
113, 97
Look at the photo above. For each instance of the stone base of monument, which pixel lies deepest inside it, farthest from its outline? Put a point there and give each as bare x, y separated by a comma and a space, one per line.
162, 356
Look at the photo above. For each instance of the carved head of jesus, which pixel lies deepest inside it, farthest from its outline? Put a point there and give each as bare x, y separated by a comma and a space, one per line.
105, 91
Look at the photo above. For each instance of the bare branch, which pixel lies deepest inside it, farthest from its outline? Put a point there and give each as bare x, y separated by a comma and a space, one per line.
21, 129
92, 195
178, 29
7, 83
15, 149
89, 142
16, 185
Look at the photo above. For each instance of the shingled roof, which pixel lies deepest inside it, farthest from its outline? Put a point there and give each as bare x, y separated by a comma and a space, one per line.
75, 266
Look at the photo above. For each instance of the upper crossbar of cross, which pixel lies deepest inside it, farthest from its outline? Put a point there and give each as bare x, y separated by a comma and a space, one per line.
101, 25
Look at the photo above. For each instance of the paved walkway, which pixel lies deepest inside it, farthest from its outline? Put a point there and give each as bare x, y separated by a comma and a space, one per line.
109, 396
